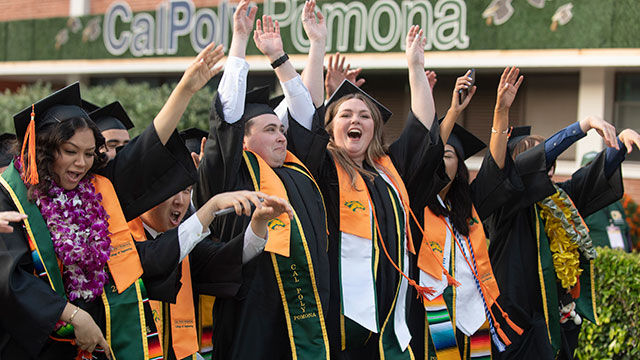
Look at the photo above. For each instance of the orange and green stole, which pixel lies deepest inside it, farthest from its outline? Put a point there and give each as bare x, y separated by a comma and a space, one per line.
182, 322
359, 248
128, 331
292, 264
438, 320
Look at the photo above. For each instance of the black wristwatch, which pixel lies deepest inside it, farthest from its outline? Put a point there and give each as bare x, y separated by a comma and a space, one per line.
279, 61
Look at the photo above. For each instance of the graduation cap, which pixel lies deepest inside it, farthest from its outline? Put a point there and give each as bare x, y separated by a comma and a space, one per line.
465, 143
63, 104
111, 116
89, 106
257, 103
193, 138
6, 148
517, 133
347, 88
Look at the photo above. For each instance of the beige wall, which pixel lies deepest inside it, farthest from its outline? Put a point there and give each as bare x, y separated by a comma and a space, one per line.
550, 104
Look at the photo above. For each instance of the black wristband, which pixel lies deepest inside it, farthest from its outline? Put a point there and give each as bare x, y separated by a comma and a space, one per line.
279, 61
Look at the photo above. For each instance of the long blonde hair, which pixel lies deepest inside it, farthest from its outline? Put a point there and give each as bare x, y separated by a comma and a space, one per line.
376, 148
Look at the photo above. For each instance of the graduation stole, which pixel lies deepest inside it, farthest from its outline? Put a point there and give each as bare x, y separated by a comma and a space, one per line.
585, 303
292, 264
184, 336
477, 260
123, 294
359, 256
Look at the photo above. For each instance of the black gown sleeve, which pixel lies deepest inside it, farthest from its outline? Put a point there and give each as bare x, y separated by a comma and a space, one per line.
29, 308
159, 258
519, 184
417, 155
589, 188
309, 146
144, 173
222, 157
216, 267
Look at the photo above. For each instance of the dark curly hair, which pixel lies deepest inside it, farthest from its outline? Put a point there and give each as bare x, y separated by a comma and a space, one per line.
48, 142
459, 196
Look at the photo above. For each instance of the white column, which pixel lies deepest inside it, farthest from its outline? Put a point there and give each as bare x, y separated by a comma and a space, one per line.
595, 97
79, 7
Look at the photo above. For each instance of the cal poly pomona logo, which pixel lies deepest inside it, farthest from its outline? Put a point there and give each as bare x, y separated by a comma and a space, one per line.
354, 205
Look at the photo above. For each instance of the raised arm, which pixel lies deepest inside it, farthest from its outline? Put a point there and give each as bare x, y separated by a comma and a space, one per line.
337, 72
316, 30
507, 90
268, 41
421, 97
194, 78
456, 109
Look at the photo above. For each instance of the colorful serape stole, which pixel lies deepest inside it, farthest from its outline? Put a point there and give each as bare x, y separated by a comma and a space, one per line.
480, 344
441, 329
205, 328
153, 339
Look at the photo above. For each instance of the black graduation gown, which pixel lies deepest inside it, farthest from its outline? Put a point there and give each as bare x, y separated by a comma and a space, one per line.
251, 325
416, 155
215, 270
504, 200
144, 173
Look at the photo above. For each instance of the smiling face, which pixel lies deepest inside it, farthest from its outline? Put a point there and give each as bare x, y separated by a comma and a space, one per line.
353, 128
265, 137
168, 214
74, 158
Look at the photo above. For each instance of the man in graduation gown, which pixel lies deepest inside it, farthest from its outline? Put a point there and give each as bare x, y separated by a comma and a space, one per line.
278, 312
507, 193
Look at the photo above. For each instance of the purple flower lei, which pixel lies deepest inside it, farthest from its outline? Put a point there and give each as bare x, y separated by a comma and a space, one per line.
80, 234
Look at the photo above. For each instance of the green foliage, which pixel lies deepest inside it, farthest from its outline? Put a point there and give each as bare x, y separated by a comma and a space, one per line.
617, 278
141, 101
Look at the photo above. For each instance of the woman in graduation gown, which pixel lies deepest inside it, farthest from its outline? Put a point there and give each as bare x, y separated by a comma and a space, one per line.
456, 318
517, 200
70, 282
367, 192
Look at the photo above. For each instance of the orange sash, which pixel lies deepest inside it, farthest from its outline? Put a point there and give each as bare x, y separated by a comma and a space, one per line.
279, 228
184, 334
435, 237
354, 203
124, 262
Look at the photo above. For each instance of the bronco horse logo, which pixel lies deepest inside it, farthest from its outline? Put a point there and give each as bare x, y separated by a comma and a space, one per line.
354, 205
435, 246
273, 224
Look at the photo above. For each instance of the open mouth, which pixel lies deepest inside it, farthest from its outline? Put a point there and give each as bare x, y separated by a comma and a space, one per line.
74, 176
174, 217
354, 134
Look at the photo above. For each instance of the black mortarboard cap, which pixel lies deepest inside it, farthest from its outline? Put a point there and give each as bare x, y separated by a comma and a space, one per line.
6, 148
193, 138
257, 103
347, 87
517, 133
61, 105
465, 143
89, 106
111, 116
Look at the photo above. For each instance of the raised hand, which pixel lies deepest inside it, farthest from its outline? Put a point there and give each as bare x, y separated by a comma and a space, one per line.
508, 88
268, 39
243, 19
202, 69
7, 217
415, 46
462, 83
603, 128
316, 30
432, 77
337, 72
629, 137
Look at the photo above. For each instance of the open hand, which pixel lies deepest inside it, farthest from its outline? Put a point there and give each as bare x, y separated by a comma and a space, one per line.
243, 19
268, 39
337, 72
508, 87
629, 137
316, 30
272, 207
432, 77
415, 46
202, 69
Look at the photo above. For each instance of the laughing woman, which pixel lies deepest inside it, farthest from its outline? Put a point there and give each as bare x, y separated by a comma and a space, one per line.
70, 280
367, 190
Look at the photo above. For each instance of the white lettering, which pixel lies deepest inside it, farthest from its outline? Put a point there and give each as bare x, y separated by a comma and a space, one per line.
142, 43
116, 46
